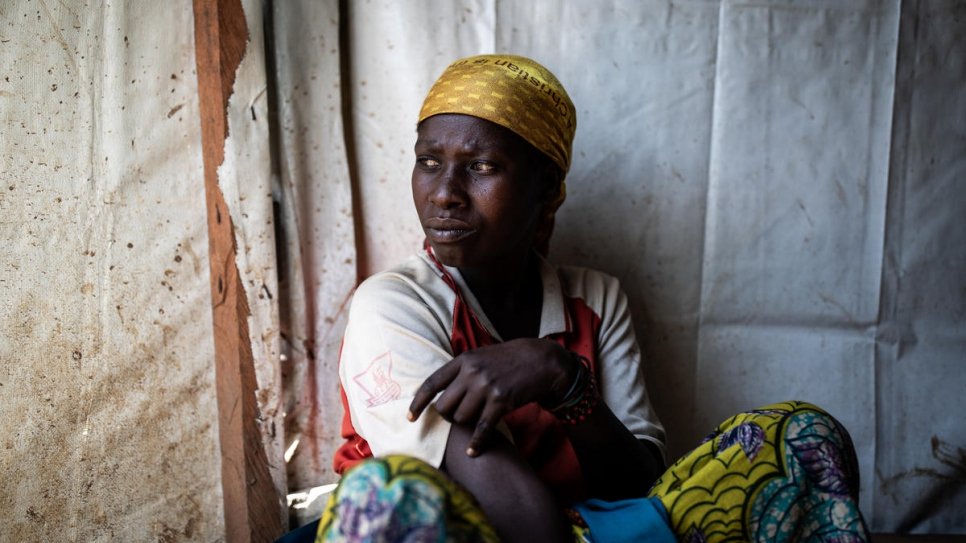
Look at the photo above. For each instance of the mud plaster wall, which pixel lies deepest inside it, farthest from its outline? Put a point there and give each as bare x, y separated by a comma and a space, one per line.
107, 404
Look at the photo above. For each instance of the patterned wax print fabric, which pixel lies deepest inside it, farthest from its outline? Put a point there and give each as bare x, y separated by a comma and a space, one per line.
400, 499
784, 472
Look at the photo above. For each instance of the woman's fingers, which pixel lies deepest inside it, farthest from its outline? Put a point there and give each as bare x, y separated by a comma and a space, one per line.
439, 380
493, 412
467, 411
451, 400
479, 387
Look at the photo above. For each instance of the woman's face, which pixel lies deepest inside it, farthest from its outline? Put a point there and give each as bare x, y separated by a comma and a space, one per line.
478, 190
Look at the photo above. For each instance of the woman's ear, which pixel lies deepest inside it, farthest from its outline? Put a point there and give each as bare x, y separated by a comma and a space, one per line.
551, 195
550, 181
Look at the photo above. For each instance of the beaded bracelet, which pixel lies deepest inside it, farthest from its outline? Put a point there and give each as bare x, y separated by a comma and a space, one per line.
583, 396
573, 391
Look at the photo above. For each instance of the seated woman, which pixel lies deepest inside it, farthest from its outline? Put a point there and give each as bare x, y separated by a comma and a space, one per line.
491, 395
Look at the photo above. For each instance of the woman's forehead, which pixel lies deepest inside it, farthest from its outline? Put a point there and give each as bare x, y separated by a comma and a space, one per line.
467, 132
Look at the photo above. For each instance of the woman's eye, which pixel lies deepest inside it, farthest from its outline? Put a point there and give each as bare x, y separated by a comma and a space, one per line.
482, 167
427, 162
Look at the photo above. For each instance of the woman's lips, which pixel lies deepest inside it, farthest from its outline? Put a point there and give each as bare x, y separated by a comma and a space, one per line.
445, 230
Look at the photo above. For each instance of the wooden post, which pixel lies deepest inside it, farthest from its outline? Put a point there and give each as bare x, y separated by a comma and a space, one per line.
253, 509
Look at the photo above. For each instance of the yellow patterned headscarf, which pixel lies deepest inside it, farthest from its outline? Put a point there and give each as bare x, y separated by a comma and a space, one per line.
516, 93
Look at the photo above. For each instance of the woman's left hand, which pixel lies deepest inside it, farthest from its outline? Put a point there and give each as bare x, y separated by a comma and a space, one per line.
480, 386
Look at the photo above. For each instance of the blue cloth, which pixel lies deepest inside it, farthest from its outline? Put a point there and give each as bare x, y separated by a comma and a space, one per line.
638, 519
305, 534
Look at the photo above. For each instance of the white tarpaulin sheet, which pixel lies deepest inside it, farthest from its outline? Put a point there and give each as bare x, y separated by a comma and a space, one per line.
108, 418
774, 183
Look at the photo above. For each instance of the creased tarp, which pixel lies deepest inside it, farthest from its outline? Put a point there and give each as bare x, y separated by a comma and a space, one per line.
737, 167
920, 458
796, 206
317, 232
107, 401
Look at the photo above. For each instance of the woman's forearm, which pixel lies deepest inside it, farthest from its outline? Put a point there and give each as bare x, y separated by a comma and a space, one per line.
615, 464
516, 502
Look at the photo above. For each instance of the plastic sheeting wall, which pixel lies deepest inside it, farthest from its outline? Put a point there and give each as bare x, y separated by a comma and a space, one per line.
107, 403
774, 182
316, 229
106, 361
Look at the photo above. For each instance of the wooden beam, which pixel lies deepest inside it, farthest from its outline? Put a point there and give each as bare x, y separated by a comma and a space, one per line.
253, 509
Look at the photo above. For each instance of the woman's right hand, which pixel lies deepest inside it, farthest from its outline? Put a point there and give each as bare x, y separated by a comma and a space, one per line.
481, 386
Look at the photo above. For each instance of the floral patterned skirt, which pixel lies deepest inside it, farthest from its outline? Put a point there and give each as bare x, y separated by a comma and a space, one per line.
784, 472
401, 499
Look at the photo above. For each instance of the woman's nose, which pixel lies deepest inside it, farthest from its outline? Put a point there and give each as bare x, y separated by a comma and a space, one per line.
449, 191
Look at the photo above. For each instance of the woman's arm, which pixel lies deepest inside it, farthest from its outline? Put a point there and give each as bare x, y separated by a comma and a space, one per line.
515, 501
616, 465
481, 386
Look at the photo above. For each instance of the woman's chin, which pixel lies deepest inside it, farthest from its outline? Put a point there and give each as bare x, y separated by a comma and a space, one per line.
449, 255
